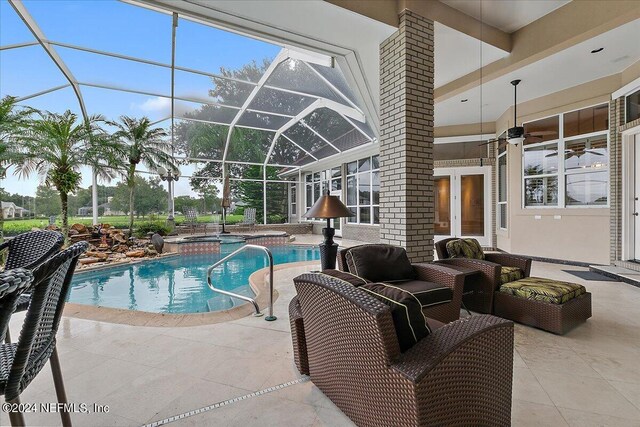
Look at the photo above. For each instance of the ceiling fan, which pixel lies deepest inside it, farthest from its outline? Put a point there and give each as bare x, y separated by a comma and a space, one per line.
516, 134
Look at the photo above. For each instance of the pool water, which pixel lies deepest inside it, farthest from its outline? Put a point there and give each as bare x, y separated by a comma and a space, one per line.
178, 284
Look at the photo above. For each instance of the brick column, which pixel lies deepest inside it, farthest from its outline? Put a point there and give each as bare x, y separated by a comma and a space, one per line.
406, 137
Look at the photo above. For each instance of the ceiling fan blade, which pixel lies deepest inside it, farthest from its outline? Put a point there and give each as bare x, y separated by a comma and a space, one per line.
595, 153
492, 141
542, 133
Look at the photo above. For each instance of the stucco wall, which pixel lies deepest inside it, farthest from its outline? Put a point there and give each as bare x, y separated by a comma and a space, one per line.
574, 234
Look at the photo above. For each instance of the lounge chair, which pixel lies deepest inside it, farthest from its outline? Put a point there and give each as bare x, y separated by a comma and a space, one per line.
459, 374
495, 269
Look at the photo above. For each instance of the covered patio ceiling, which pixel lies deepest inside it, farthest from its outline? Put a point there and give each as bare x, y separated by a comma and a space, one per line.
225, 98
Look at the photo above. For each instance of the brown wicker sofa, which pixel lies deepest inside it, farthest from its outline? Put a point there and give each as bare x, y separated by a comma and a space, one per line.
489, 280
441, 285
459, 375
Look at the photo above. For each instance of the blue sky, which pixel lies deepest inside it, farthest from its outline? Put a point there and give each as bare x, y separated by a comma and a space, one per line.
121, 28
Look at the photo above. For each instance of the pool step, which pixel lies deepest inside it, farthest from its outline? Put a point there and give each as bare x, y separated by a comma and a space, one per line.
220, 303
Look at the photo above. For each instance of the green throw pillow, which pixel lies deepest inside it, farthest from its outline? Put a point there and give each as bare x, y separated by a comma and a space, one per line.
465, 248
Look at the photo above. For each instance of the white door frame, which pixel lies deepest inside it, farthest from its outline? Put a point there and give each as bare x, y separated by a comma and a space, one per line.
333, 221
628, 192
456, 226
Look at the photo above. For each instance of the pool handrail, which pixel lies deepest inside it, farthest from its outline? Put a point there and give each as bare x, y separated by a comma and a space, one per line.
270, 317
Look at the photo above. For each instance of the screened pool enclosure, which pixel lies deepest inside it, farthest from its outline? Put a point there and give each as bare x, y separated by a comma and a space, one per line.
232, 105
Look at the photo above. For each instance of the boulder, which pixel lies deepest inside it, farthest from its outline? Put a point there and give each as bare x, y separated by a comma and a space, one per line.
89, 260
73, 232
119, 237
158, 242
139, 253
79, 228
100, 255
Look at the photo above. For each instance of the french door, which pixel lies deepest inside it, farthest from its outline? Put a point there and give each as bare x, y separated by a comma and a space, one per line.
463, 203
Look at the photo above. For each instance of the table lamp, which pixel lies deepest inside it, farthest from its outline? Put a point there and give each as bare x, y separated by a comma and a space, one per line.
328, 207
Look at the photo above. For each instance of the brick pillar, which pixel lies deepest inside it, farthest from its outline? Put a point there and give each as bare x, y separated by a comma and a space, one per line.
406, 137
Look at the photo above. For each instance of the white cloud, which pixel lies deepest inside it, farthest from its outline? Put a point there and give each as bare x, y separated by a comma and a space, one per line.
156, 105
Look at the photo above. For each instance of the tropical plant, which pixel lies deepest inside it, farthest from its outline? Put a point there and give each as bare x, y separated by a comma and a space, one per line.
14, 125
58, 145
144, 144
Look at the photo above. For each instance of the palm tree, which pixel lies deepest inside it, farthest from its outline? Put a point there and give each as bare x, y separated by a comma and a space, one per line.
144, 144
58, 145
14, 125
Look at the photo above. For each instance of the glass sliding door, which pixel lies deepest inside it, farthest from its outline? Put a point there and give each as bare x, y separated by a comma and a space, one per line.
443, 200
472, 200
463, 203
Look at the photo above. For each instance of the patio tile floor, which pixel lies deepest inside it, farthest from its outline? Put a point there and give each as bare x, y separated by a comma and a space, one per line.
588, 377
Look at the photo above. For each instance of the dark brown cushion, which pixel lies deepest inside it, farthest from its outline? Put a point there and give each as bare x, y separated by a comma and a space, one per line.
347, 277
428, 293
409, 321
380, 263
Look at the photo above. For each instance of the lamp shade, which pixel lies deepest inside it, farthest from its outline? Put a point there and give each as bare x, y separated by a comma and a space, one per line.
328, 207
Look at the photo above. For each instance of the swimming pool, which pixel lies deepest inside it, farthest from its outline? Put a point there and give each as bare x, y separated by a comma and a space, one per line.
178, 284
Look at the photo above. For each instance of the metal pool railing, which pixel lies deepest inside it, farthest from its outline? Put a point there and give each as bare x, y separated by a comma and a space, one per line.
270, 317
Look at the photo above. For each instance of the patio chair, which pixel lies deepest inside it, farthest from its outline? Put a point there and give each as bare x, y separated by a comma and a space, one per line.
494, 270
28, 250
12, 284
191, 220
439, 288
21, 362
459, 374
249, 217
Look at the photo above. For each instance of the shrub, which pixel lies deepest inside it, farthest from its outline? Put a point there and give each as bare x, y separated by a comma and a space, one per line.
276, 219
152, 227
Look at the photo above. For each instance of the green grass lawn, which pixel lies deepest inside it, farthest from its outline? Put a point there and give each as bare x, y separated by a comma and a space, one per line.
17, 226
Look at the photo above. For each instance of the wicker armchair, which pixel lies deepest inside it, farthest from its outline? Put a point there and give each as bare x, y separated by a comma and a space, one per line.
459, 375
12, 284
431, 273
21, 362
481, 300
28, 250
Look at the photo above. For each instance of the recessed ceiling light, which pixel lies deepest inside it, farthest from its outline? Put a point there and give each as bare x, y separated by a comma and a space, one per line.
464, 100
600, 49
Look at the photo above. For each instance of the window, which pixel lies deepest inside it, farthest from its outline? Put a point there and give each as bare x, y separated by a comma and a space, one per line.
586, 163
363, 190
294, 198
502, 185
568, 168
319, 183
308, 183
633, 106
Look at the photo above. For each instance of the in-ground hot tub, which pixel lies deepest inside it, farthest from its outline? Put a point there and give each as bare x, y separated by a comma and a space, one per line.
193, 245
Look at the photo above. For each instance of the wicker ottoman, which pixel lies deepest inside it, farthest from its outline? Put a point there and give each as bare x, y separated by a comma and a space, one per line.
547, 304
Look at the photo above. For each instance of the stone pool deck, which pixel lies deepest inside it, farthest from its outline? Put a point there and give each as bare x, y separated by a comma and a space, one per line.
589, 377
